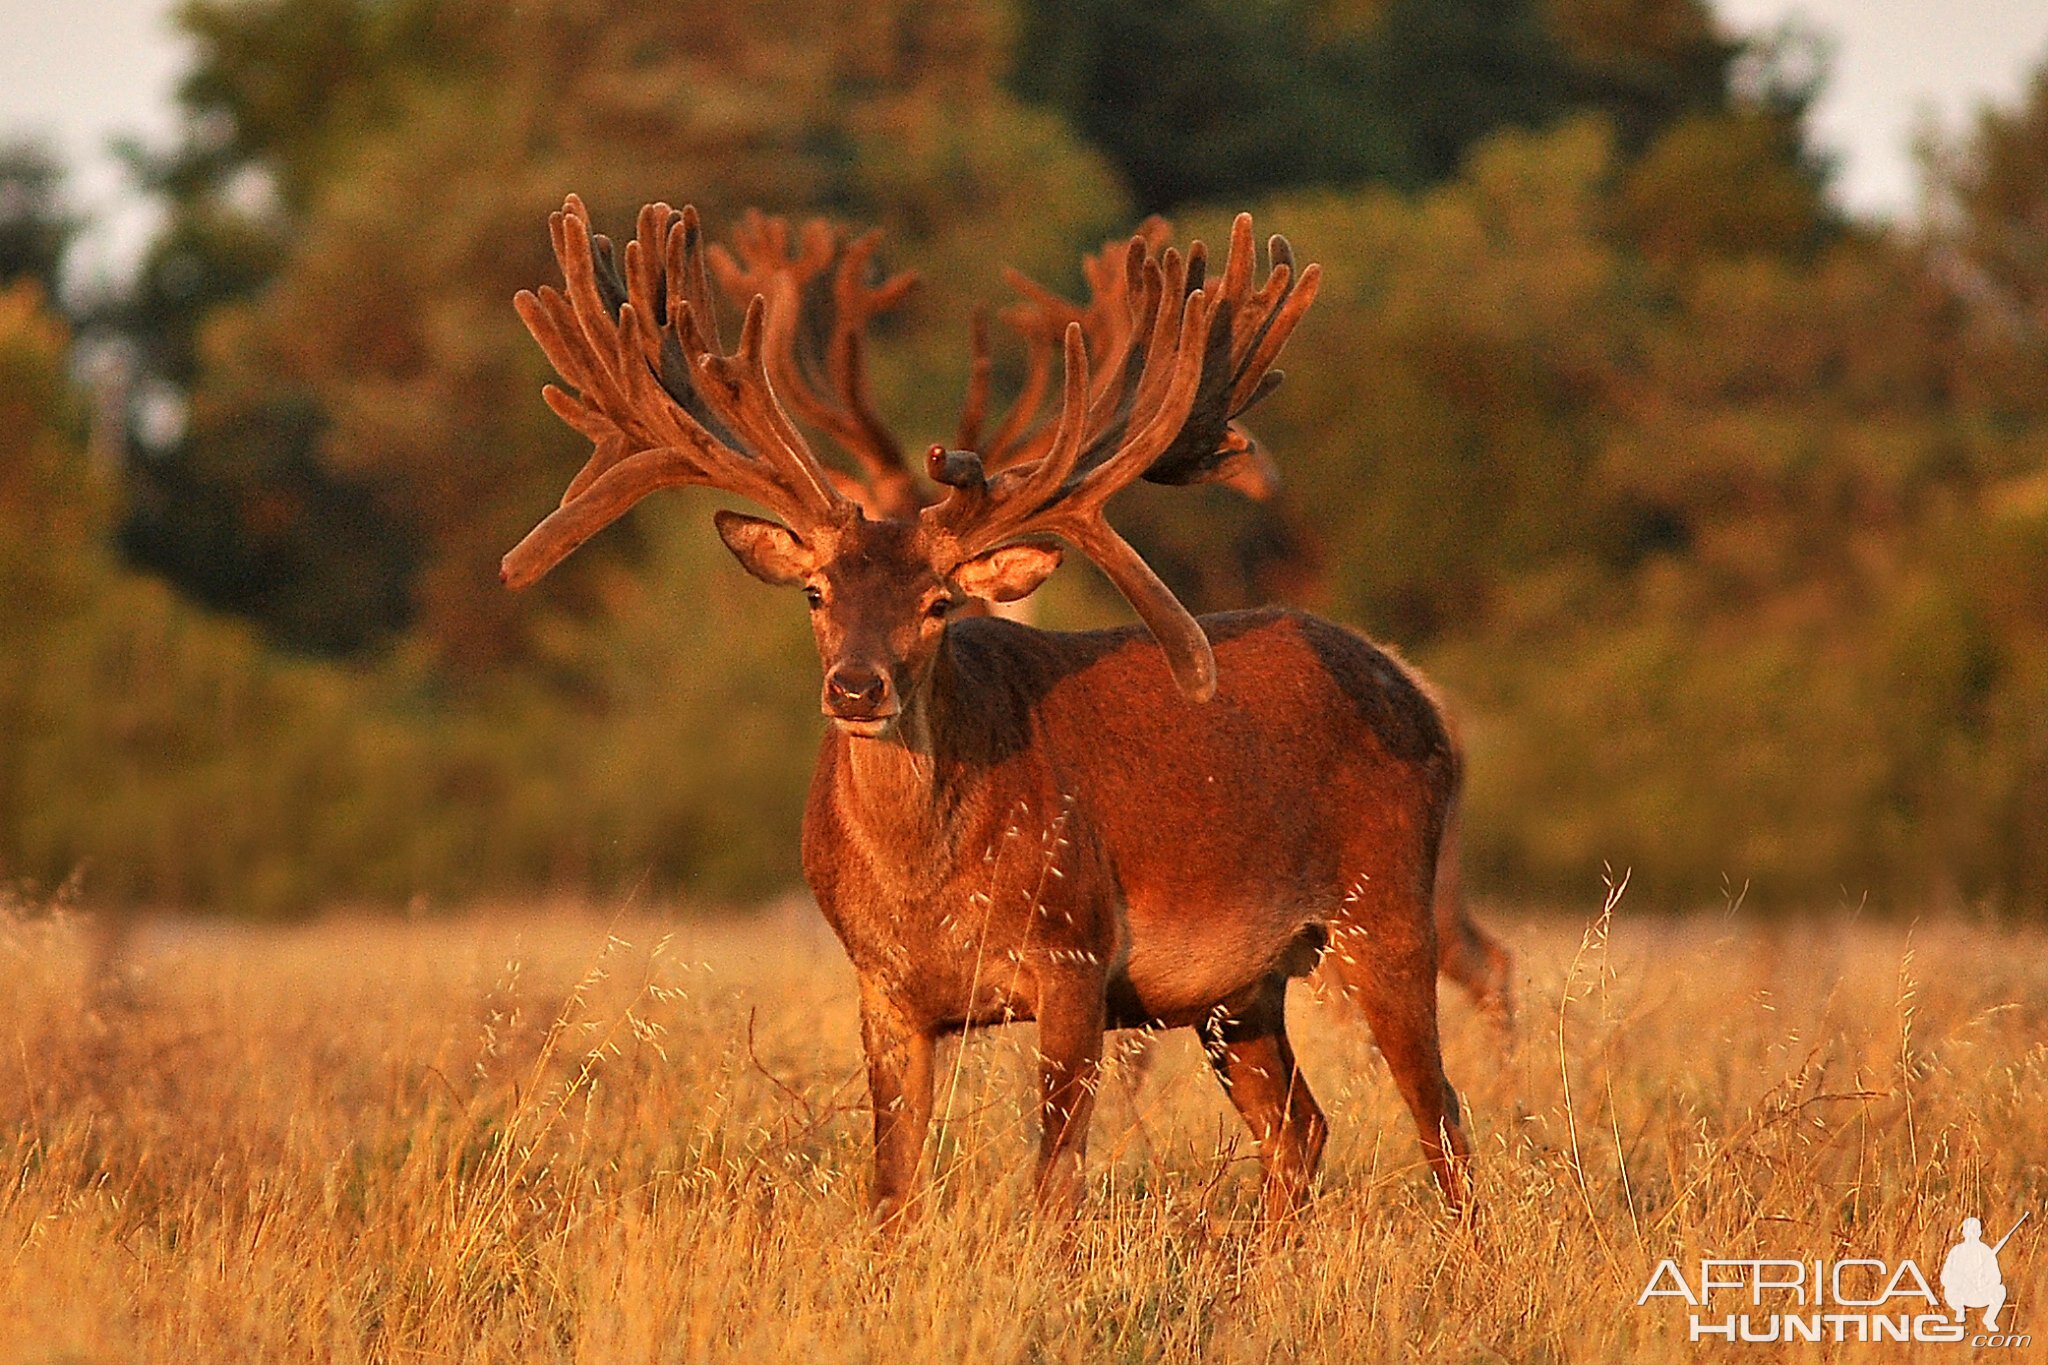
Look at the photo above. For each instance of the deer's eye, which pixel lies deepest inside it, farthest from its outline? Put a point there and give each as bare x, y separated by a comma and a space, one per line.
814, 597
939, 607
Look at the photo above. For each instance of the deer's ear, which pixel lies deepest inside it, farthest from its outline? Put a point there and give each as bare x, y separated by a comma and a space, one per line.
1008, 572
767, 550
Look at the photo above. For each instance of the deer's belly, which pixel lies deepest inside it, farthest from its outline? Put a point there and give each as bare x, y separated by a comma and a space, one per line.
1180, 967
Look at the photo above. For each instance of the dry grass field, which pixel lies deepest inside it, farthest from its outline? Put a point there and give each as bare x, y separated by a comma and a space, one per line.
543, 1136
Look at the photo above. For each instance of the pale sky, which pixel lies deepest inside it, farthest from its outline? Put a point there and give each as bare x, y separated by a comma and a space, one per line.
1898, 63
81, 72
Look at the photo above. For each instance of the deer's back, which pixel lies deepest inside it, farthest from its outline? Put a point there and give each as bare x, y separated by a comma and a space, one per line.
1321, 760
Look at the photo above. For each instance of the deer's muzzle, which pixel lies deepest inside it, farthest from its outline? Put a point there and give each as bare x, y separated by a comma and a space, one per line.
859, 695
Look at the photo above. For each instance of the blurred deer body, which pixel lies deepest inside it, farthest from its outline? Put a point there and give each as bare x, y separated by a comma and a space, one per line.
1146, 826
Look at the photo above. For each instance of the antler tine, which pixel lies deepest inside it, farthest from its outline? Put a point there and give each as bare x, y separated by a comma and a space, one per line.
856, 303
1166, 408
742, 401
742, 395
1255, 327
1041, 319
660, 401
1238, 265
646, 255
1182, 356
980, 373
689, 290
1282, 302
1045, 479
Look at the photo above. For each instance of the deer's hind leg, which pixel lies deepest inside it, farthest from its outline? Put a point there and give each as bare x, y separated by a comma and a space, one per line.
1248, 1047
1384, 953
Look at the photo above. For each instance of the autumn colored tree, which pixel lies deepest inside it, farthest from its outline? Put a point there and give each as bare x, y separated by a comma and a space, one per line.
1713, 548
1719, 518
382, 355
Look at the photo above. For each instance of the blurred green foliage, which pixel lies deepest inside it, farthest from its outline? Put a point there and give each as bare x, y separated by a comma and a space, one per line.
35, 225
161, 753
1731, 572
1722, 523
1206, 101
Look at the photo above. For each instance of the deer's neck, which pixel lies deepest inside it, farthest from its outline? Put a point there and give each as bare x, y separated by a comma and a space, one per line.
892, 782
910, 798
906, 776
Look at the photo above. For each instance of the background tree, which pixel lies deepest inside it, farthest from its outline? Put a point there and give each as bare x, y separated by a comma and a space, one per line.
35, 227
1199, 101
1989, 193
1720, 520
378, 357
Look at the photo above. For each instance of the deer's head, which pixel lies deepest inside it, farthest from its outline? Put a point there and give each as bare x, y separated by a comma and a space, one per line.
880, 594
882, 560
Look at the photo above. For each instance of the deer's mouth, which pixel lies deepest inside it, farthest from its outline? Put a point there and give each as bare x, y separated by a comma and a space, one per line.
863, 727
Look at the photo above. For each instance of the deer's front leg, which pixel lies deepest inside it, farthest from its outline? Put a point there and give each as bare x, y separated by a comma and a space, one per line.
899, 1054
1070, 1024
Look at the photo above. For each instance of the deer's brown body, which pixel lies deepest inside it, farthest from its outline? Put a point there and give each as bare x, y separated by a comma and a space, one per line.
1035, 847
1157, 826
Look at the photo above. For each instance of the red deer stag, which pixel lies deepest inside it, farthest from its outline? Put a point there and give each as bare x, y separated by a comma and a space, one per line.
1094, 831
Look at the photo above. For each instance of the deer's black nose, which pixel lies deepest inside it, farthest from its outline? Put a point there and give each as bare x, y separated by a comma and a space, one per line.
856, 693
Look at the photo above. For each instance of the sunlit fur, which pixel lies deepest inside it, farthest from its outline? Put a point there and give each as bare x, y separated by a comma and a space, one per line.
1039, 826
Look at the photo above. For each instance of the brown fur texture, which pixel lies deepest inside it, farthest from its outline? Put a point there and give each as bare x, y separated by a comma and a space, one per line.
1029, 825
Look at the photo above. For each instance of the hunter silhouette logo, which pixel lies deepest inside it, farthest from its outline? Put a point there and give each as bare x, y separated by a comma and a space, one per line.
1851, 1299
1970, 1276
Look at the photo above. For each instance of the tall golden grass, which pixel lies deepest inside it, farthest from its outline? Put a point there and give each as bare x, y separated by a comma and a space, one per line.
559, 1136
